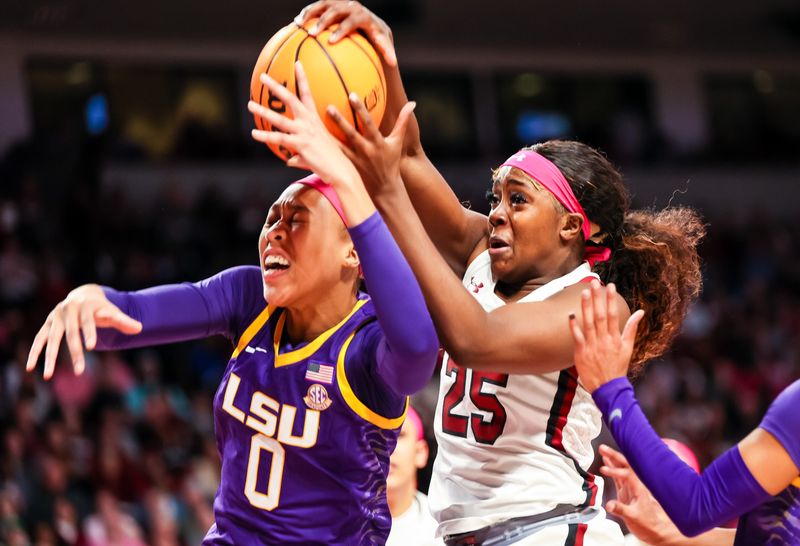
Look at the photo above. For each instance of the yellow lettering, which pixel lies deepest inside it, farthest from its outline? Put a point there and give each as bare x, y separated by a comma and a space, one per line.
310, 427
230, 394
258, 407
270, 499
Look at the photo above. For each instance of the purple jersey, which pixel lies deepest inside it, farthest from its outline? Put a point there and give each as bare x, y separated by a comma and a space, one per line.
304, 433
777, 521
304, 461
774, 523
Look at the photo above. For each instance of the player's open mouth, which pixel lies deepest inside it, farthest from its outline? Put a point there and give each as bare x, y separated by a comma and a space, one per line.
497, 245
274, 264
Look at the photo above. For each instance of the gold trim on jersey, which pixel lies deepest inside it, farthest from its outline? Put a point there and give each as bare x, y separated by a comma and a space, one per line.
302, 353
796, 482
252, 330
357, 405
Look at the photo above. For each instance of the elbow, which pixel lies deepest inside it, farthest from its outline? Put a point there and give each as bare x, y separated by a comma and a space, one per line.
418, 368
423, 343
467, 355
691, 528
420, 363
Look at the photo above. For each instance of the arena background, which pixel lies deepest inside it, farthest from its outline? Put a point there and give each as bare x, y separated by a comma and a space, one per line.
125, 159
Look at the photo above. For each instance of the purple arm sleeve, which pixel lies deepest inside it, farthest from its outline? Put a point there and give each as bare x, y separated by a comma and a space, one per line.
695, 503
180, 312
407, 353
782, 421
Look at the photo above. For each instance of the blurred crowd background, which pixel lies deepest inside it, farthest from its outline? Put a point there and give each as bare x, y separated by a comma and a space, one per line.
125, 160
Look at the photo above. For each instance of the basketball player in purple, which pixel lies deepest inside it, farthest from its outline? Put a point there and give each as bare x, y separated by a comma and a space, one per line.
756, 480
313, 397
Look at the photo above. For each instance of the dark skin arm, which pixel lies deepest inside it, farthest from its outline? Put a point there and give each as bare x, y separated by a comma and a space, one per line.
454, 230
516, 338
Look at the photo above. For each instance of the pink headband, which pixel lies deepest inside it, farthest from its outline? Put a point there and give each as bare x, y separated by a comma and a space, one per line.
314, 181
413, 416
548, 175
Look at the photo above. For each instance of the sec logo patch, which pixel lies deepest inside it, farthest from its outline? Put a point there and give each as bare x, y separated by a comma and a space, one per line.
317, 398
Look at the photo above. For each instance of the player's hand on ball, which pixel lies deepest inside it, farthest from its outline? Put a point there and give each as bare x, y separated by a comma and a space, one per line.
376, 157
351, 16
315, 148
83, 311
601, 352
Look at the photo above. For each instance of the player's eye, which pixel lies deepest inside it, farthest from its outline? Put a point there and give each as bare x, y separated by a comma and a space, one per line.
492, 199
518, 198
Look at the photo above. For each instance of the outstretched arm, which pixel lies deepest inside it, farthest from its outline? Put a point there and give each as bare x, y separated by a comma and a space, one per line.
455, 230
744, 477
94, 317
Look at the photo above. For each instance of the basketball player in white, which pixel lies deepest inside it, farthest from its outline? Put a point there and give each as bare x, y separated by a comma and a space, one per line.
513, 423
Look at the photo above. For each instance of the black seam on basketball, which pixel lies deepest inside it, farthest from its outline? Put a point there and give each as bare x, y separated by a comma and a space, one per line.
381, 76
266, 70
341, 79
296, 57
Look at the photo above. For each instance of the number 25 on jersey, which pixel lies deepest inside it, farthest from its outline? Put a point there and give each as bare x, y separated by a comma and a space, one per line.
472, 385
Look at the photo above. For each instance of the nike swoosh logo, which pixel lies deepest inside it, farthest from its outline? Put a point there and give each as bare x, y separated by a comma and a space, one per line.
616, 414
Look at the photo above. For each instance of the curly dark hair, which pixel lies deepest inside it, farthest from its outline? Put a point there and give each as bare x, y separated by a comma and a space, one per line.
654, 260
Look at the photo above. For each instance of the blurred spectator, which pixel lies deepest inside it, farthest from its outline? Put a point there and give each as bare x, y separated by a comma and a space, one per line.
412, 522
110, 525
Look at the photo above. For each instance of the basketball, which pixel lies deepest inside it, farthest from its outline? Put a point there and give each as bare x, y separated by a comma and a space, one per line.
334, 71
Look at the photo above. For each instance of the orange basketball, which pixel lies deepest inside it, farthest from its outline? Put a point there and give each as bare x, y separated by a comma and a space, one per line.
333, 70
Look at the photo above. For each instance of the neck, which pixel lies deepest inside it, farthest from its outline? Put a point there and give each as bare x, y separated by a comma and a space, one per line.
304, 322
512, 290
400, 501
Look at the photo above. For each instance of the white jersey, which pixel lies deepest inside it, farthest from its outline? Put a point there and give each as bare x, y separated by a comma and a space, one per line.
415, 526
511, 445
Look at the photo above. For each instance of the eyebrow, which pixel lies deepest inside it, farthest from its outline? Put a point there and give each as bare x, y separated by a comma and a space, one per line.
294, 206
515, 181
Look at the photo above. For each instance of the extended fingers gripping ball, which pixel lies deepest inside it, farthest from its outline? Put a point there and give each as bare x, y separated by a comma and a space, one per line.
333, 70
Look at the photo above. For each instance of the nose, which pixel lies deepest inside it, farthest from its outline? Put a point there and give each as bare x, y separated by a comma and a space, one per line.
276, 232
498, 215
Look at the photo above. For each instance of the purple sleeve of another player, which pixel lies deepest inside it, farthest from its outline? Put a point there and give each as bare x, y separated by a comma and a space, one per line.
782, 421
180, 312
407, 353
725, 490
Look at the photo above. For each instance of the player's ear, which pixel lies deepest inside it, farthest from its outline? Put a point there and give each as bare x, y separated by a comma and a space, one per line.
421, 454
351, 258
571, 224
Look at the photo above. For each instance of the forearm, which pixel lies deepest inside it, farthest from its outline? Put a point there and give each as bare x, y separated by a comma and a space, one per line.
356, 203
453, 229
694, 503
714, 537
459, 318
408, 356
168, 314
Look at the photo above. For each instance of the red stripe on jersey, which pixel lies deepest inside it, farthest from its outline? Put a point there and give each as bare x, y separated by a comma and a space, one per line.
559, 412
567, 385
582, 527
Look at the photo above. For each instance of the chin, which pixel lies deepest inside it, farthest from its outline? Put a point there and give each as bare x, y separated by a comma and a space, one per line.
277, 297
500, 269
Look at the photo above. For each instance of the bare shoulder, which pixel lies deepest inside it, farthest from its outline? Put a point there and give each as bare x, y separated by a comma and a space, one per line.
570, 296
768, 461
